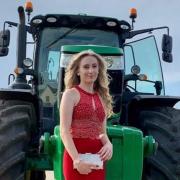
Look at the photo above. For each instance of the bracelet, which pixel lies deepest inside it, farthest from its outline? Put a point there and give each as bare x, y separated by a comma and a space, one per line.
75, 163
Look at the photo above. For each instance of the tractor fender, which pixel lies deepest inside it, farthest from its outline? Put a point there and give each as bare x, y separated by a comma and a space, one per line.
20, 94
139, 102
151, 100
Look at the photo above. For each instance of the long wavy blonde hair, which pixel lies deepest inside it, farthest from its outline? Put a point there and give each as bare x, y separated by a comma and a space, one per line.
101, 83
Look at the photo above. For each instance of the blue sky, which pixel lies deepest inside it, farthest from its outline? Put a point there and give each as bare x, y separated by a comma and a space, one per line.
151, 13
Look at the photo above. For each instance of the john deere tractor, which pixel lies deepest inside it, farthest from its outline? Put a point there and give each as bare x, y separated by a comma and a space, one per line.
145, 126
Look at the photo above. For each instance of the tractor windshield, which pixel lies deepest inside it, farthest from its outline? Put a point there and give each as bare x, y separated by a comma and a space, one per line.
144, 53
49, 54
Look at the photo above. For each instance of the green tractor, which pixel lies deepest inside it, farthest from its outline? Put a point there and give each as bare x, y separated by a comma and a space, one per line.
144, 120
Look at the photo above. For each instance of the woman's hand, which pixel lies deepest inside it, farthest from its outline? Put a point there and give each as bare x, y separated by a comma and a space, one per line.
106, 151
83, 167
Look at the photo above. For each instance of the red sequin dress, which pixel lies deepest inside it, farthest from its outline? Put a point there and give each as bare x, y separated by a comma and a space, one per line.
87, 121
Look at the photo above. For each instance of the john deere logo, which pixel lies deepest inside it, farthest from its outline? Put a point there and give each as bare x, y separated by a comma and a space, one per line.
109, 61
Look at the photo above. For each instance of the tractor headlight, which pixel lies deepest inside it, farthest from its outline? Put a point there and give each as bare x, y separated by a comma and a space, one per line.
135, 69
51, 19
28, 62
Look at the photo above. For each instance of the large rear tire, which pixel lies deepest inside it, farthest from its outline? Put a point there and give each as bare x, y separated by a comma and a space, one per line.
15, 121
163, 123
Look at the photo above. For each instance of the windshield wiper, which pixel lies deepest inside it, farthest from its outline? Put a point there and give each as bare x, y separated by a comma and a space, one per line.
63, 35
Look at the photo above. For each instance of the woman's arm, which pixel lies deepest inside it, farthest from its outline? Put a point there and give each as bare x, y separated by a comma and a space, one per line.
66, 110
104, 138
107, 149
68, 102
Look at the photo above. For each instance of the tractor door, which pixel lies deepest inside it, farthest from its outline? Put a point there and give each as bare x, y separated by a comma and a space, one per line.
144, 53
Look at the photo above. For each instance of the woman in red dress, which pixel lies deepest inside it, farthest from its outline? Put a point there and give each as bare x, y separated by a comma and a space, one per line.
85, 105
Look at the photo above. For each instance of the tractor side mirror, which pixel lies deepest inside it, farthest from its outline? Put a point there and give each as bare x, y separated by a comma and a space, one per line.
4, 42
167, 48
4, 51
4, 38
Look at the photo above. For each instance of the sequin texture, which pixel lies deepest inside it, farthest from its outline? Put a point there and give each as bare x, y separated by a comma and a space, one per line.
87, 119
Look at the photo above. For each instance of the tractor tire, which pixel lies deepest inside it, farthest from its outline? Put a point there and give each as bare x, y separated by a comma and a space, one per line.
163, 123
15, 122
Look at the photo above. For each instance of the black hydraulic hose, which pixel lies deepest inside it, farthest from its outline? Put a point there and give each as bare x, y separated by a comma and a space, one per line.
129, 77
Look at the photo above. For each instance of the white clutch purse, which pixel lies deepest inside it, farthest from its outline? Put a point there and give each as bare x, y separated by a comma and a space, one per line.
92, 158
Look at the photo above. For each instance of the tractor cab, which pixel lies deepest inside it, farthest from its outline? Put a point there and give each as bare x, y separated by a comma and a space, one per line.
51, 33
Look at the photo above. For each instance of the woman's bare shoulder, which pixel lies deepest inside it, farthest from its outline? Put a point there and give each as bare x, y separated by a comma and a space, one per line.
72, 94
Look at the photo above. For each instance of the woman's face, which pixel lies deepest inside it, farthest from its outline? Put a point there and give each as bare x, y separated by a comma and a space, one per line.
88, 69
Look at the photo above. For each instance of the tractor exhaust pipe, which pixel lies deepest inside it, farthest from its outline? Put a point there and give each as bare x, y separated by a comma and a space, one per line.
20, 81
21, 38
